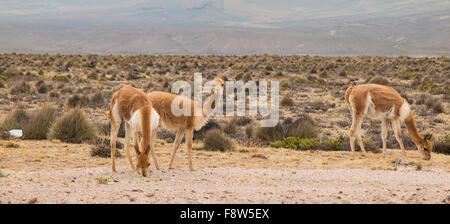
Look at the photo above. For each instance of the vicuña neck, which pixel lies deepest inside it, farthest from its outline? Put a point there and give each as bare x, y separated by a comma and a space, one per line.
412, 129
211, 101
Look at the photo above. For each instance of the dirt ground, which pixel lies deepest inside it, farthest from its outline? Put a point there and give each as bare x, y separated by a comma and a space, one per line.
54, 172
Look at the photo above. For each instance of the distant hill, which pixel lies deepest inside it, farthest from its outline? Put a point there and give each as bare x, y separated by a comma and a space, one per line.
344, 27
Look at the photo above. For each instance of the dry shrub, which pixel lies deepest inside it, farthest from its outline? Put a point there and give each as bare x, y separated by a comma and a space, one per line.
77, 101
39, 123
97, 100
166, 135
380, 80
102, 148
41, 87
303, 127
230, 127
249, 131
105, 129
16, 119
242, 121
442, 145
216, 140
438, 108
73, 127
22, 87
287, 101
200, 134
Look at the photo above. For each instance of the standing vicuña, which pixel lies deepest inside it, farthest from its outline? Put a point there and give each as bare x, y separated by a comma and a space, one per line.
135, 108
383, 102
185, 125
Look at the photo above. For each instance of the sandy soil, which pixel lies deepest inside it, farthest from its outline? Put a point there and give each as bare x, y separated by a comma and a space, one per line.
226, 185
54, 172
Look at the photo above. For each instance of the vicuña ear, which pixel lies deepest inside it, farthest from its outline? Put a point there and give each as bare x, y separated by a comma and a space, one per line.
428, 136
147, 150
137, 150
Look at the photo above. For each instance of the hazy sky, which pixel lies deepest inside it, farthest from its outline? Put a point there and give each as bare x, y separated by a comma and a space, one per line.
234, 13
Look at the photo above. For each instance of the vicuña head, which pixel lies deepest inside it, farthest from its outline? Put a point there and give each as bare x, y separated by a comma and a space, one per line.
427, 147
143, 162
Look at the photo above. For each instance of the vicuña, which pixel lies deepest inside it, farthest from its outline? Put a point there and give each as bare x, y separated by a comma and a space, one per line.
134, 107
184, 125
385, 103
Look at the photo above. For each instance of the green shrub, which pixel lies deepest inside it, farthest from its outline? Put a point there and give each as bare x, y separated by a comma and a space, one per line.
295, 143
215, 140
73, 127
340, 144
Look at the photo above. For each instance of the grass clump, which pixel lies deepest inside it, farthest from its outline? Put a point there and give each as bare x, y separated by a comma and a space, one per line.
287, 101
442, 145
34, 126
61, 78
101, 180
230, 128
73, 127
22, 87
438, 108
11, 145
39, 123
77, 101
215, 140
380, 80
3, 174
16, 119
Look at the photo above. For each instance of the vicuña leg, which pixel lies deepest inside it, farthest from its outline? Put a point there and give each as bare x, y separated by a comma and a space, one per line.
115, 125
189, 136
398, 134
384, 133
152, 149
136, 146
354, 131
128, 135
176, 145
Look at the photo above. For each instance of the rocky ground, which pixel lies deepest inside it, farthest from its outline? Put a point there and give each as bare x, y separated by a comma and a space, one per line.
55, 172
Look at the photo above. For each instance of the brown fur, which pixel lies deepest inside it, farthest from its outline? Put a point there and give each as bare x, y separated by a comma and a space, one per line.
129, 100
184, 125
384, 98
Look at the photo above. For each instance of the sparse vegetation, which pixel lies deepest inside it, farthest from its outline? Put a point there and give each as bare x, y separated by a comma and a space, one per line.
380, 80
442, 145
215, 140
287, 101
73, 127
39, 123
